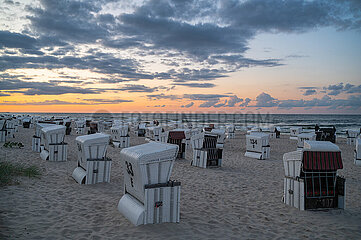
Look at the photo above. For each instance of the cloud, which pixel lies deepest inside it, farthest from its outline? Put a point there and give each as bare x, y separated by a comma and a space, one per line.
16, 40
73, 21
46, 102
60, 102
334, 90
188, 105
306, 88
210, 103
265, 100
233, 100
106, 101
40, 88
187, 74
196, 85
245, 103
204, 97
326, 101
137, 88
309, 92
4, 94
162, 96
214, 100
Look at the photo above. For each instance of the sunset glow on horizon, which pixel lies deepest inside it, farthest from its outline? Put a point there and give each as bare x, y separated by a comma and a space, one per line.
266, 56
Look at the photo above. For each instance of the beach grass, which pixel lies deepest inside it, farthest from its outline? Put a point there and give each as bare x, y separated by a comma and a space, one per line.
9, 171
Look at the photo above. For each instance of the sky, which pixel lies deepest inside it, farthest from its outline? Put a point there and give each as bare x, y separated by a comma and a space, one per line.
260, 56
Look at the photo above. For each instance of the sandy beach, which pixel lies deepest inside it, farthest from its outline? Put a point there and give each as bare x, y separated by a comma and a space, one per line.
240, 200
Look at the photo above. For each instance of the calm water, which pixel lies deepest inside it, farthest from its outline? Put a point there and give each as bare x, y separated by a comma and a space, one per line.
341, 122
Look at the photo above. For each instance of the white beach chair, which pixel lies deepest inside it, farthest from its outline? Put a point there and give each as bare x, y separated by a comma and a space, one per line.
80, 127
221, 137
54, 149
230, 131
301, 138
10, 128
36, 139
153, 133
149, 195
93, 165
351, 136
205, 150
311, 180
180, 137
357, 157
294, 131
3, 131
257, 146
119, 135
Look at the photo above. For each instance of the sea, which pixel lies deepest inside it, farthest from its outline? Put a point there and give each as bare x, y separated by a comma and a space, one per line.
342, 123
